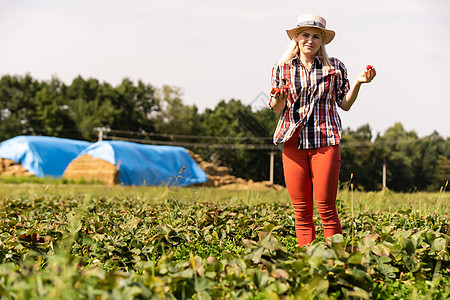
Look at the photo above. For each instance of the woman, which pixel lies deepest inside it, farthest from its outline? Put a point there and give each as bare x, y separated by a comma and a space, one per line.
309, 125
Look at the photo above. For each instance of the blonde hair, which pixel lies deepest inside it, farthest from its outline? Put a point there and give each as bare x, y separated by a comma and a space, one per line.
293, 50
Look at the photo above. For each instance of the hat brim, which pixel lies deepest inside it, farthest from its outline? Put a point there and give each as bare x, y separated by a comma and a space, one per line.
329, 34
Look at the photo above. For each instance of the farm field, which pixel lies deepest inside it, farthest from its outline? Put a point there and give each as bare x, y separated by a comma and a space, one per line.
69, 241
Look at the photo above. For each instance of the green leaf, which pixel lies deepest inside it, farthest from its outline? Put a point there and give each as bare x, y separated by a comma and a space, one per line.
7, 268
74, 225
407, 245
388, 270
430, 236
318, 285
386, 229
203, 295
359, 274
384, 259
438, 244
315, 261
337, 239
381, 250
411, 263
280, 273
370, 241
278, 287
256, 255
268, 227
355, 258
204, 283
260, 279
188, 273
145, 265
359, 293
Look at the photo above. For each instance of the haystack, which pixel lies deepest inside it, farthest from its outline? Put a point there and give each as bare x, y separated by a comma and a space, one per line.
9, 167
219, 176
43, 156
90, 168
127, 163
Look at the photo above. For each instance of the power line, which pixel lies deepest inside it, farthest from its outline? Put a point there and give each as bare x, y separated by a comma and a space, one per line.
249, 146
183, 136
201, 145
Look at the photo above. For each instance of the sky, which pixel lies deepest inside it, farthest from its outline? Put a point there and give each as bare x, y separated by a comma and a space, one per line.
222, 50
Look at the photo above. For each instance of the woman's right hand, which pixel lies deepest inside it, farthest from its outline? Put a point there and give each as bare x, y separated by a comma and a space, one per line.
278, 101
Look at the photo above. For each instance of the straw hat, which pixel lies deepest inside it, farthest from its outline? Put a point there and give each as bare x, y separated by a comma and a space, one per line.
313, 21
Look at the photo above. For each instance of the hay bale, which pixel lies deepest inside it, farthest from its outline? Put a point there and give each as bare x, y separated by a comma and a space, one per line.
8, 162
222, 171
9, 167
209, 168
90, 168
220, 177
228, 179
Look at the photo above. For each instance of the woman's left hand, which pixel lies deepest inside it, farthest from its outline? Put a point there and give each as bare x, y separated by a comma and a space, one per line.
367, 76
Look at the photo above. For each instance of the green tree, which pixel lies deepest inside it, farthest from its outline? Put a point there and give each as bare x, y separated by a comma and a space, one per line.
398, 148
125, 107
357, 158
87, 106
135, 105
428, 153
175, 117
17, 105
89, 115
442, 173
269, 119
235, 123
433, 165
52, 115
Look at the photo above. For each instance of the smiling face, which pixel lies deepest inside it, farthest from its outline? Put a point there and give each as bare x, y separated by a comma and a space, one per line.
309, 41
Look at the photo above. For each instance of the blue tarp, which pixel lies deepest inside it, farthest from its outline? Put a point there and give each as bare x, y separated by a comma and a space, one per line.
148, 164
42, 155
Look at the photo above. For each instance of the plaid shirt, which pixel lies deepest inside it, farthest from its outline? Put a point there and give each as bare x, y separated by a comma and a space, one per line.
312, 102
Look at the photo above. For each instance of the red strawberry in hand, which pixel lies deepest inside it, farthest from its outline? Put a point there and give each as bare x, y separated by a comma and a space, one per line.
284, 88
369, 72
274, 91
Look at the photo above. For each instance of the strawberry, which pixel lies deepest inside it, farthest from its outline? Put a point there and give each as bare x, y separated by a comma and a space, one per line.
284, 88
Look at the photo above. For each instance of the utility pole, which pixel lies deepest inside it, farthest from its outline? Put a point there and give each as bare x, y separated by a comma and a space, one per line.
100, 132
272, 162
384, 174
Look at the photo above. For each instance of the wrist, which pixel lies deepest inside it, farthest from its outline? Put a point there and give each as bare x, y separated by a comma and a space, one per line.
272, 102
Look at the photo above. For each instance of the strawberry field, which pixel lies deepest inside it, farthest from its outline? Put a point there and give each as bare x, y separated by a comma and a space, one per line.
93, 242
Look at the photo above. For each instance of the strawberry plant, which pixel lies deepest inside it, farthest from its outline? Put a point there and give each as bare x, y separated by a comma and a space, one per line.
161, 245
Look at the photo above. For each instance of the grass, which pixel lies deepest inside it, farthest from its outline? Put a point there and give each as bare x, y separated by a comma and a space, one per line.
418, 202
423, 202
46, 180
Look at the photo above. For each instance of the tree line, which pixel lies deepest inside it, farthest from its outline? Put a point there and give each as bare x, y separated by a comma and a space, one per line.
230, 134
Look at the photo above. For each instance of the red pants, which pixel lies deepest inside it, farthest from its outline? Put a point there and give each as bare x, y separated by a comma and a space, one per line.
311, 170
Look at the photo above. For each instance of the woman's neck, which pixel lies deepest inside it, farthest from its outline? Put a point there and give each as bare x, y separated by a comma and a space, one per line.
307, 60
